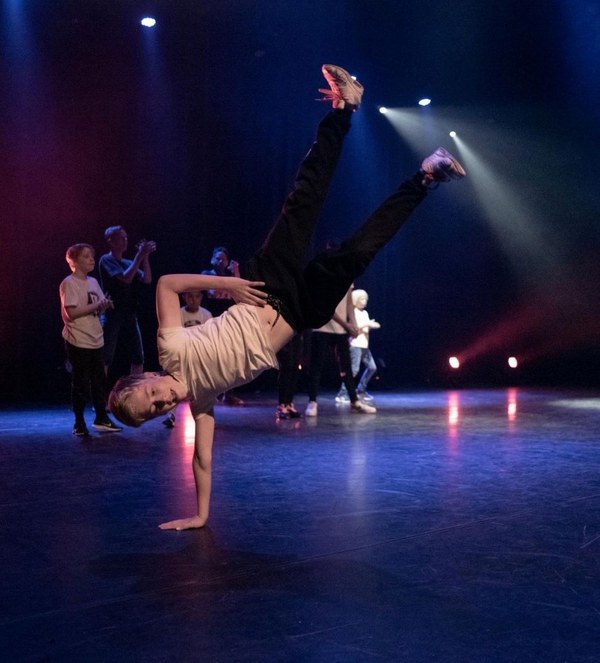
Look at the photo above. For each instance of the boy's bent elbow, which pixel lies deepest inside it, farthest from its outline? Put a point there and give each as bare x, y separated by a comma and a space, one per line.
171, 283
163, 282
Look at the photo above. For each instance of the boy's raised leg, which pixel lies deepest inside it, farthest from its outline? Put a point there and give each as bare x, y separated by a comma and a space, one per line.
329, 275
281, 260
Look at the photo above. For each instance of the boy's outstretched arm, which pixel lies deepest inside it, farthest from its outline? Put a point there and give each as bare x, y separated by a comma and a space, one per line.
170, 286
202, 466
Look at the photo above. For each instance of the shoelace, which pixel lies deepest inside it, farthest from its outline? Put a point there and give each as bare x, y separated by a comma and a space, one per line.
329, 95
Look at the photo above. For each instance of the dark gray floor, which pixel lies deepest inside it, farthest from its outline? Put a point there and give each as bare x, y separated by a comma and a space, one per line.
451, 526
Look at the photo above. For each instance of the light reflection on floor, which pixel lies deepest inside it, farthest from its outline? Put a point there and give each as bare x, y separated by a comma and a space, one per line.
452, 525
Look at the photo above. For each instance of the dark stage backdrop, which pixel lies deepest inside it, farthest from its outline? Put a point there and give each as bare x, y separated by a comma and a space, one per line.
189, 134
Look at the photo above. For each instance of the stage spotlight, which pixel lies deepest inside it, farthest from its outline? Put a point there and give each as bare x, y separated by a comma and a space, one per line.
424, 102
452, 134
454, 362
148, 22
512, 362
383, 110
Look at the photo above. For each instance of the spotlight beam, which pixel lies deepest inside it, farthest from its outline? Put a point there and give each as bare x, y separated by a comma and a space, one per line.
523, 238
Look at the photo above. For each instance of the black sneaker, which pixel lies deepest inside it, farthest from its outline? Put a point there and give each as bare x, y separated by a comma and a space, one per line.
106, 425
281, 413
80, 429
287, 412
293, 413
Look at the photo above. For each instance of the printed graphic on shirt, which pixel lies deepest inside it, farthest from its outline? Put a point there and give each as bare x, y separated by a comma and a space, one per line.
93, 299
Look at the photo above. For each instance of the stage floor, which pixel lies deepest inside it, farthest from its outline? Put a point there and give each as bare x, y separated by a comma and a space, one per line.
450, 526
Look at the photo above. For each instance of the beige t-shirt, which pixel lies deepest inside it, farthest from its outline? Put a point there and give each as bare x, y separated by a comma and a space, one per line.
86, 331
220, 354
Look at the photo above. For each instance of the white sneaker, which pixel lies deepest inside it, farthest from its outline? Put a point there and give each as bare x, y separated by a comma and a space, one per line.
342, 397
345, 91
311, 409
364, 396
362, 408
441, 166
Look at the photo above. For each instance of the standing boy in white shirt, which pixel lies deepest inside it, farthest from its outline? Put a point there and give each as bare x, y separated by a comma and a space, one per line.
81, 302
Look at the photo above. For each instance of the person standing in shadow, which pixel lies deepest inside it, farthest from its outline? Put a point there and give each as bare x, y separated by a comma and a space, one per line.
121, 280
334, 336
289, 357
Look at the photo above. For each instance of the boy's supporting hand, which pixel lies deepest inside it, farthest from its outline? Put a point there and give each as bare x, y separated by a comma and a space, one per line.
184, 523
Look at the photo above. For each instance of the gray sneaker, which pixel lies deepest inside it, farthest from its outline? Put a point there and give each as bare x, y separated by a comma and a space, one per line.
345, 92
364, 396
441, 166
80, 429
106, 425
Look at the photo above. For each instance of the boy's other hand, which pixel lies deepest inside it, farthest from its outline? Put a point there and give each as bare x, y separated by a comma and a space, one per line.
352, 330
246, 292
104, 304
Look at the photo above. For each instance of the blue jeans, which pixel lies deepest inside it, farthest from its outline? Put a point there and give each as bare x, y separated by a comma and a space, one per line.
362, 356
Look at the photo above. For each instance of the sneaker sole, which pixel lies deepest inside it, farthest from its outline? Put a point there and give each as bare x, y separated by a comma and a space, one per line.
108, 429
342, 80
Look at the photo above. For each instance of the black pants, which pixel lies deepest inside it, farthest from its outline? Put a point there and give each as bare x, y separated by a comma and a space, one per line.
310, 292
320, 343
289, 358
122, 328
87, 374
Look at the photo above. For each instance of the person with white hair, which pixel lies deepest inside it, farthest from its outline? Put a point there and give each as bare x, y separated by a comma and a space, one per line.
360, 353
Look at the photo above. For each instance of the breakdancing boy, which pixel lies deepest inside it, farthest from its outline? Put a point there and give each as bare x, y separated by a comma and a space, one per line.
284, 296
